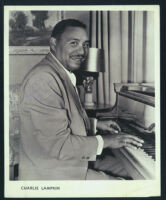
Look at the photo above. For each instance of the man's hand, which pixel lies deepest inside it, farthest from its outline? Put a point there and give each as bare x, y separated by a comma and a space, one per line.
121, 140
108, 125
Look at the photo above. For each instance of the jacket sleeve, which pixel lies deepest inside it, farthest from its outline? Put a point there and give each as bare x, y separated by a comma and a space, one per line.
43, 100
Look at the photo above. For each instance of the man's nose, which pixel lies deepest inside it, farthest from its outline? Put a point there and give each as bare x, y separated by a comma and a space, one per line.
81, 50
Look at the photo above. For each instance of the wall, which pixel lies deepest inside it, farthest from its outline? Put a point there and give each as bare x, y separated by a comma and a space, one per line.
19, 65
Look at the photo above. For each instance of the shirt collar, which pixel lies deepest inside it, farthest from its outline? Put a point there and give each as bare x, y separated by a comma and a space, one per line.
70, 74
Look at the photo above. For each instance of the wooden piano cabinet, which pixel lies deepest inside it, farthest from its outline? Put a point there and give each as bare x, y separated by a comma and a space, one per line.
139, 100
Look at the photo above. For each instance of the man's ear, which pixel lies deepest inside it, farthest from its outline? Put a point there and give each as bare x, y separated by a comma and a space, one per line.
53, 43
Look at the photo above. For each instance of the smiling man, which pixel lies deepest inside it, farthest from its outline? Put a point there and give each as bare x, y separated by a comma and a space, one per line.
71, 48
54, 141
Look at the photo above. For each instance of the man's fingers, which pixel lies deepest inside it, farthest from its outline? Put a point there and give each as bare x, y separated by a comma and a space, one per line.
131, 146
132, 142
132, 137
113, 130
115, 125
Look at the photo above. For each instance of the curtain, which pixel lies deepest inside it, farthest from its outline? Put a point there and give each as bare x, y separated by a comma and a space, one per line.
127, 38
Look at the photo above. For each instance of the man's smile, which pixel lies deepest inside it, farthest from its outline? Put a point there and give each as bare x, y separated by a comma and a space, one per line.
78, 58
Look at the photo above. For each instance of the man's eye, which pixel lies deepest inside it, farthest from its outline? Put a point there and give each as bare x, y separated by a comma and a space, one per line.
74, 43
86, 45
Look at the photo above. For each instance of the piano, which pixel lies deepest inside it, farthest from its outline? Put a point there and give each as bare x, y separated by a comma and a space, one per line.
134, 111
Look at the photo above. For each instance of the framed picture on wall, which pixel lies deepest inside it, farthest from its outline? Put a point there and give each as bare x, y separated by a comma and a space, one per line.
29, 31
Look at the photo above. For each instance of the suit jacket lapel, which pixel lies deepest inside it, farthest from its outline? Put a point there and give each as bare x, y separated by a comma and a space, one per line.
70, 88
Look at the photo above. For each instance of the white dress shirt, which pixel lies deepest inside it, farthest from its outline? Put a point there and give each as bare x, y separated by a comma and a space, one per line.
73, 80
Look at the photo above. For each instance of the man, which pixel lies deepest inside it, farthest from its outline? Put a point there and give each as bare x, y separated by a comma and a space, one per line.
54, 143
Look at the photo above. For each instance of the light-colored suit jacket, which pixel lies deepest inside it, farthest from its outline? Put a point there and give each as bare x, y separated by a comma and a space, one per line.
54, 143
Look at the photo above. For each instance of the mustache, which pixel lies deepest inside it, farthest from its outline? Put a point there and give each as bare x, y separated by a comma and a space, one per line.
78, 56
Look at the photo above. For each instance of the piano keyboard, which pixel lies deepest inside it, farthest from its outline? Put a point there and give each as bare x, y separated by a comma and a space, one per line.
149, 138
139, 163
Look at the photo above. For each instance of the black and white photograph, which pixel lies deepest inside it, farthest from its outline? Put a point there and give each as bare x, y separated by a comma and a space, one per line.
82, 101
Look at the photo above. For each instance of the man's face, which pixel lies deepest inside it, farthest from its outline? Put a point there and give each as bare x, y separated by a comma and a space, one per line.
72, 47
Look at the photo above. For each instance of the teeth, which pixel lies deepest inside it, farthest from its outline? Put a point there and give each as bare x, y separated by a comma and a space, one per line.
74, 57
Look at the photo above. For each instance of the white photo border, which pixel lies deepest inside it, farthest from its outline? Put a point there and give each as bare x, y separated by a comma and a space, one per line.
102, 188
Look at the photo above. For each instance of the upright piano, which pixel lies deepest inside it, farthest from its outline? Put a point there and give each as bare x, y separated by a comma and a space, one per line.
134, 111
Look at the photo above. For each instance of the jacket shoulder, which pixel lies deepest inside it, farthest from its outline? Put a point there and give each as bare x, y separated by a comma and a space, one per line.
42, 68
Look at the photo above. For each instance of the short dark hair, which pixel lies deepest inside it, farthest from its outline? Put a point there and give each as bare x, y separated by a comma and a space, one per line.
60, 27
